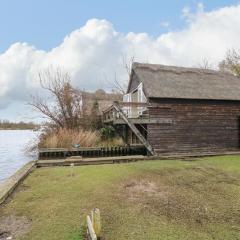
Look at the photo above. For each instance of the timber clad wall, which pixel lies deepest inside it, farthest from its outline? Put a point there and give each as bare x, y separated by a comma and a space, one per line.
191, 125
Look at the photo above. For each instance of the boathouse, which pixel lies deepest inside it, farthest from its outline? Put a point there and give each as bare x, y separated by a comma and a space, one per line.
175, 109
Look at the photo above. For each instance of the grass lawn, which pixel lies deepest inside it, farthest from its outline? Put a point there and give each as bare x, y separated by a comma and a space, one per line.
169, 200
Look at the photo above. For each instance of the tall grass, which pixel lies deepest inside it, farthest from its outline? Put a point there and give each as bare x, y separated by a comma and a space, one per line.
66, 138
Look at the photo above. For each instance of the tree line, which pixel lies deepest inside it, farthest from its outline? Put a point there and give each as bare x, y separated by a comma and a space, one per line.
8, 125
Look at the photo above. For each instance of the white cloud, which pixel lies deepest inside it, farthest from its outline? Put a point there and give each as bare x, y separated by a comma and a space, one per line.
200, 7
189, 15
165, 24
96, 50
186, 11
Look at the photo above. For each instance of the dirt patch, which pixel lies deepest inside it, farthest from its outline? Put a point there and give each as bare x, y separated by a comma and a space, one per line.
138, 189
12, 227
144, 186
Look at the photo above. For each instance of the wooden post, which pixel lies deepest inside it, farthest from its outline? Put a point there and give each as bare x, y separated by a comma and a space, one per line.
90, 229
96, 221
72, 169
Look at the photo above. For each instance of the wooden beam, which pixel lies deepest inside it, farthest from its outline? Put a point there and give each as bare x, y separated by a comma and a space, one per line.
132, 104
141, 121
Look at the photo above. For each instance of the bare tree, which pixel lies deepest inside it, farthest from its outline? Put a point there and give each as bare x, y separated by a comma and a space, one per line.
205, 64
116, 85
231, 63
127, 63
64, 108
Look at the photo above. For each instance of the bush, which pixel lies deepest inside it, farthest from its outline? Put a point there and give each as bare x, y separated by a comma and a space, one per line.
107, 133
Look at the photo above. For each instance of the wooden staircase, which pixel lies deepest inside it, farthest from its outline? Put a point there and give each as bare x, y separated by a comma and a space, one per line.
134, 129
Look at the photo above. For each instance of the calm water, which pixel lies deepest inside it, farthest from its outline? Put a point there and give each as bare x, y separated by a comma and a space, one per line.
12, 146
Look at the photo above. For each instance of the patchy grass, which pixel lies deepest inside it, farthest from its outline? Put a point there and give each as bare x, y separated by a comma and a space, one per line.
170, 200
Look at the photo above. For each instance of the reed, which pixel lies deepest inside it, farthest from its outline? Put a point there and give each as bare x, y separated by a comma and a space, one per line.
65, 138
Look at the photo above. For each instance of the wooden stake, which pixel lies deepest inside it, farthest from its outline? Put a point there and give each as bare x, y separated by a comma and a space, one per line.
72, 166
90, 229
96, 221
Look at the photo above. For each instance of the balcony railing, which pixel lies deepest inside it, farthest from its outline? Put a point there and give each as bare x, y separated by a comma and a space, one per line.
133, 110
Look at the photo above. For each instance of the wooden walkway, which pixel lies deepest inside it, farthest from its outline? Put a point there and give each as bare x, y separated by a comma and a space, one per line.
77, 161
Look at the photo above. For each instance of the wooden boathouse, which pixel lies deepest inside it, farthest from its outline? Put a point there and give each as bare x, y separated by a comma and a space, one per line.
175, 109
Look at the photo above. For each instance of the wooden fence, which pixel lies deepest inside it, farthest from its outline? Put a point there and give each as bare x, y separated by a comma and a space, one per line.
92, 152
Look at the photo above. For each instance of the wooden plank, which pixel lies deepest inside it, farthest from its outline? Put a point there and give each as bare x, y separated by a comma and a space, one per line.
196, 125
96, 222
119, 121
88, 161
131, 104
90, 229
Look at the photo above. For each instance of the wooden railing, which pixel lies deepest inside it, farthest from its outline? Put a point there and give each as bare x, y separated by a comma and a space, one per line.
120, 111
130, 109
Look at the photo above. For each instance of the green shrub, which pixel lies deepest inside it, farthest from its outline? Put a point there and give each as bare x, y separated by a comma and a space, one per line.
107, 132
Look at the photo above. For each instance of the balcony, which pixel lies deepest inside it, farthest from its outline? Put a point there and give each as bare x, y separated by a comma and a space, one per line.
137, 112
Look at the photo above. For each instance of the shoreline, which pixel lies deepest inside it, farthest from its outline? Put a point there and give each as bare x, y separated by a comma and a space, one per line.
13, 129
10, 184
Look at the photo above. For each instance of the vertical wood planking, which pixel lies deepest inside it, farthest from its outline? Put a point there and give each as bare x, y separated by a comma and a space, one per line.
194, 125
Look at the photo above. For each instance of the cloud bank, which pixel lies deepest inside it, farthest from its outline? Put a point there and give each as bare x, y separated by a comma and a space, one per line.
93, 53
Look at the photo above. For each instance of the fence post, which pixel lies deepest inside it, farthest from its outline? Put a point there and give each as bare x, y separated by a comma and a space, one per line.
90, 229
96, 221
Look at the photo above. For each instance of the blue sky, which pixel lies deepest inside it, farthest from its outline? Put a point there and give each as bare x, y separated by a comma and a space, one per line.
44, 23
89, 39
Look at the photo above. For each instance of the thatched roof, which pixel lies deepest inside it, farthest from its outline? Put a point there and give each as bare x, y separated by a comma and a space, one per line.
187, 83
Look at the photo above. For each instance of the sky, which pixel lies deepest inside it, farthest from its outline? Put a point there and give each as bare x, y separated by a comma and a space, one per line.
90, 39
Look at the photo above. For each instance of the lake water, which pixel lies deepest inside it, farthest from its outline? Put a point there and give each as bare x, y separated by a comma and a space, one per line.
12, 150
